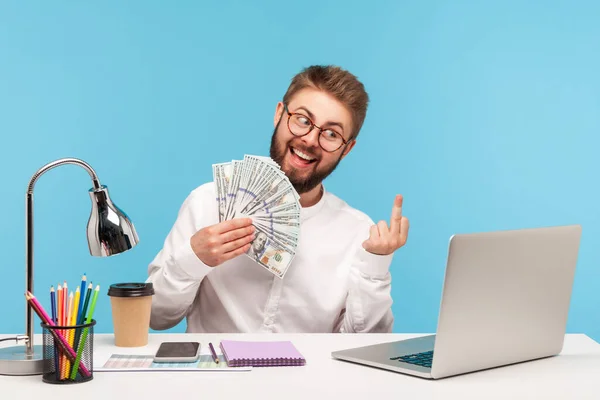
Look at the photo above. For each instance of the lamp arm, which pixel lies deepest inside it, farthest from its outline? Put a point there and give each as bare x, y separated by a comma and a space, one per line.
29, 233
58, 163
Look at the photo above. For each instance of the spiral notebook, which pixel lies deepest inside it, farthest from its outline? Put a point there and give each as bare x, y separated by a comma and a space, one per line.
261, 354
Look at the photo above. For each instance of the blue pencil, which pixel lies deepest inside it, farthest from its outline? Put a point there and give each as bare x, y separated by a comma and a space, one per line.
53, 303
82, 313
81, 291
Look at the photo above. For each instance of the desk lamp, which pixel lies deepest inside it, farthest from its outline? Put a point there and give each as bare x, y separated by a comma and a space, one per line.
109, 231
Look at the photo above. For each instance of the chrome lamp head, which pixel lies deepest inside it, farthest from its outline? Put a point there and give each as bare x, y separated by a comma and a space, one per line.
109, 232
109, 229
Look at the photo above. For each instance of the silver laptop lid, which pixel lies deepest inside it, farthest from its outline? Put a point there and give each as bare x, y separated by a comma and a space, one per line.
505, 298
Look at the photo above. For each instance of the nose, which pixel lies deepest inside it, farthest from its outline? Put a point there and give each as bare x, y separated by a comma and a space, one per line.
312, 138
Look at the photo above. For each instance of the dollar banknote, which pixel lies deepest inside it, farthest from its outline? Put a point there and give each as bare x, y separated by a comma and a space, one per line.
257, 188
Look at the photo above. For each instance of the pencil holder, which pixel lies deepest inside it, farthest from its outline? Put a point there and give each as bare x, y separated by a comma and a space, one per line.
68, 353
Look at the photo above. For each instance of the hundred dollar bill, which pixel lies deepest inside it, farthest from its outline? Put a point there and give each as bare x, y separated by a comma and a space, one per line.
263, 194
270, 254
278, 199
285, 238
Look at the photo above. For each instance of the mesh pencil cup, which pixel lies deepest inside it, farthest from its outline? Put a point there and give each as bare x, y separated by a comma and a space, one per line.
68, 353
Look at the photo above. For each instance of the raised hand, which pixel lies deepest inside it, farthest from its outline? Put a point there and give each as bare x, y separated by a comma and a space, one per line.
218, 243
384, 240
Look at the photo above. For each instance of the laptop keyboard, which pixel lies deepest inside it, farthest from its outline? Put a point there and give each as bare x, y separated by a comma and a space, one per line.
423, 359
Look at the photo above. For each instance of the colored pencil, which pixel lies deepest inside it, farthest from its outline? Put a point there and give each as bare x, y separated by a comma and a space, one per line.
81, 320
213, 352
73, 322
88, 296
43, 315
85, 330
54, 319
59, 321
65, 304
64, 331
53, 303
69, 308
81, 298
59, 300
67, 335
63, 322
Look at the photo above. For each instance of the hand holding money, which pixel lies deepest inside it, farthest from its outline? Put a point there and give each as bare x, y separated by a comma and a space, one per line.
223, 241
384, 240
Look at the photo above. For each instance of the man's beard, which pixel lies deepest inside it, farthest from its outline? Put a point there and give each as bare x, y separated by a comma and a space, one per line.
302, 185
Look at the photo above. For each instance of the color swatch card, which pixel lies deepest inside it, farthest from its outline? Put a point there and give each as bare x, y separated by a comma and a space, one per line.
131, 362
261, 354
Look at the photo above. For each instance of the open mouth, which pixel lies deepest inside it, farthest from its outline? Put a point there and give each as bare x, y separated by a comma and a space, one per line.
300, 158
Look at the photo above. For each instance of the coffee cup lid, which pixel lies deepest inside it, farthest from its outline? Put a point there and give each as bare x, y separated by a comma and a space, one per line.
131, 289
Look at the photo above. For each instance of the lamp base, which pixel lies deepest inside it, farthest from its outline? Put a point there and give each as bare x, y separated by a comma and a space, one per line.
14, 361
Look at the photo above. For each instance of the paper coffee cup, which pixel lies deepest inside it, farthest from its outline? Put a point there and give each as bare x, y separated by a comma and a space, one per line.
131, 304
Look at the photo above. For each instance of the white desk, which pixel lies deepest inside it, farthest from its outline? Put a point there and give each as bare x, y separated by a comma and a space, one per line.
575, 374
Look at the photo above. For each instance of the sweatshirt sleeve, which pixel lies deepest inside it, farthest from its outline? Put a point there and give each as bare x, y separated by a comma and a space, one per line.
369, 300
176, 272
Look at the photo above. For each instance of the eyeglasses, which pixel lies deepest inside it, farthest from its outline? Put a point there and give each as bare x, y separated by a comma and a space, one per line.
300, 125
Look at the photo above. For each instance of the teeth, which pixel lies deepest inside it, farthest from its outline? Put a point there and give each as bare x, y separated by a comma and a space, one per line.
302, 155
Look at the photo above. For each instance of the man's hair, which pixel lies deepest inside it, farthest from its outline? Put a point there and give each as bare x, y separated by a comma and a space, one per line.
339, 83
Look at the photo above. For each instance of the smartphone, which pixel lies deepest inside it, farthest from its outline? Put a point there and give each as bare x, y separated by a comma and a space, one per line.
177, 352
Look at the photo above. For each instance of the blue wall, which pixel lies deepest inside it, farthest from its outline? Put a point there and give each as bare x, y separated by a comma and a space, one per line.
484, 115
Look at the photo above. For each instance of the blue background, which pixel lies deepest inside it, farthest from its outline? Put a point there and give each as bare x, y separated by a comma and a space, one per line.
484, 115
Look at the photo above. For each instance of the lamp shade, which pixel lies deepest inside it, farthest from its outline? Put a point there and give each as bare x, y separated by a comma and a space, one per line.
109, 229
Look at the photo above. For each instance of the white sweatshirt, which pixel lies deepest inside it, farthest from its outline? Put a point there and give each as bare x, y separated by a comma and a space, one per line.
332, 284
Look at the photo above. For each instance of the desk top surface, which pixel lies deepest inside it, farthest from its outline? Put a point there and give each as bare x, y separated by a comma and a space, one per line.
575, 373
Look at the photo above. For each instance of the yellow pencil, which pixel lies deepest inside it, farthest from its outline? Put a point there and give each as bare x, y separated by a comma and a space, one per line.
67, 368
73, 322
75, 310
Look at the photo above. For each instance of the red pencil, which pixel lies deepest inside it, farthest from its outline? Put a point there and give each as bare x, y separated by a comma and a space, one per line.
63, 331
65, 303
59, 321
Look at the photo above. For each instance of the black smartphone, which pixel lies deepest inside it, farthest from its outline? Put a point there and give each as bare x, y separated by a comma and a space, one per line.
177, 352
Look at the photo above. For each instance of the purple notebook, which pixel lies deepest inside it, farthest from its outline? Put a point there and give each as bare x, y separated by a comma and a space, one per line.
261, 354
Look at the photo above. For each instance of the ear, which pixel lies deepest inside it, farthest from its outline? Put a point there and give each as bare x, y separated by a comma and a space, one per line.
349, 147
278, 113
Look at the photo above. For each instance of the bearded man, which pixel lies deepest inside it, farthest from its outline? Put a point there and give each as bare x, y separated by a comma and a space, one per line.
339, 279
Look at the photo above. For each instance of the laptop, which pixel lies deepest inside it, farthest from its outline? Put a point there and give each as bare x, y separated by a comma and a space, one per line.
505, 300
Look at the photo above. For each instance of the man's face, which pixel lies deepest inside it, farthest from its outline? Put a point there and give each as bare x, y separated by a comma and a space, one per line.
302, 159
259, 242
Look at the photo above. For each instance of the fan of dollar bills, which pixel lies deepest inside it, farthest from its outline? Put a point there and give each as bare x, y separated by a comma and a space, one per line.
255, 187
